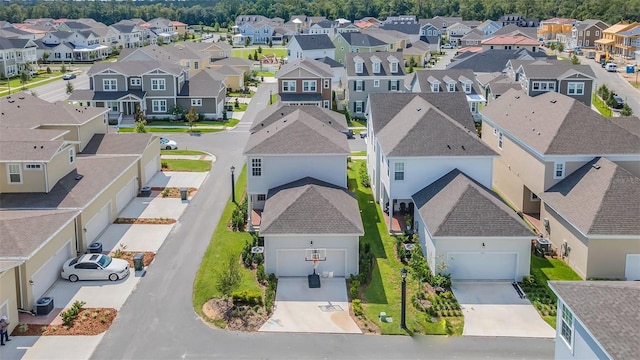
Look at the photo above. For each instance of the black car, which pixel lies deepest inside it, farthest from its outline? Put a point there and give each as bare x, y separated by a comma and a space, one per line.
619, 103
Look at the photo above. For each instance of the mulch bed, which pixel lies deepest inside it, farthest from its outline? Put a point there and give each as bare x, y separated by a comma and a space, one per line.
128, 255
173, 192
156, 221
90, 321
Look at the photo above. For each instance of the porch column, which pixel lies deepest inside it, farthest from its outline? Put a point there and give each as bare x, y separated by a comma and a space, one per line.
390, 215
249, 211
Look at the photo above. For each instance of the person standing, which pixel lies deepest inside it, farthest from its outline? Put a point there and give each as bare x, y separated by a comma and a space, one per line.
4, 329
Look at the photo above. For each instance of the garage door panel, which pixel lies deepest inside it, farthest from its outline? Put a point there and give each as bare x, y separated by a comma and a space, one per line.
335, 262
292, 263
632, 267
482, 266
125, 195
95, 226
50, 271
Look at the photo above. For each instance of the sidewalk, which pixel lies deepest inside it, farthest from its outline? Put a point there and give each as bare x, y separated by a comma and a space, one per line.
208, 157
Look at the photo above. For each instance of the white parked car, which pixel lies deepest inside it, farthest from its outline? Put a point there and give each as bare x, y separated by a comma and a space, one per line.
447, 46
167, 144
94, 267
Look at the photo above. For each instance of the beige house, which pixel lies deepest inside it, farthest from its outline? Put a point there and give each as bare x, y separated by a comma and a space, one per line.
543, 142
66, 174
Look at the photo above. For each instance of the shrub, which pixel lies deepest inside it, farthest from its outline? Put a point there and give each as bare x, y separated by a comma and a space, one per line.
261, 275
441, 280
165, 192
419, 266
270, 292
247, 297
229, 277
239, 216
23, 328
72, 313
364, 175
357, 307
165, 164
354, 289
448, 327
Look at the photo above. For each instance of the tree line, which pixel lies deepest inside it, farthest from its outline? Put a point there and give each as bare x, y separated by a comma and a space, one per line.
224, 12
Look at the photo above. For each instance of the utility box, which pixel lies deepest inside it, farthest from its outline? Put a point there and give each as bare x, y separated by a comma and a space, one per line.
145, 191
138, 261
183, 193
94, 248
44, 306
543, 246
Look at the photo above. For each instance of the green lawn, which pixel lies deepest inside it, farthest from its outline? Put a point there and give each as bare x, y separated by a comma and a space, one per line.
188, 165
603, 109
181, 152
274, 99
357, 123
185, 129
223, 242
383, 292
551, 269
244, 53
265, 73
358, 153
228, 123
241, 106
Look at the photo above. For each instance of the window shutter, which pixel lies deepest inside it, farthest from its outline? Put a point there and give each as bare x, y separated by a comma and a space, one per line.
363, 82
354, 85
389, 85
398, 85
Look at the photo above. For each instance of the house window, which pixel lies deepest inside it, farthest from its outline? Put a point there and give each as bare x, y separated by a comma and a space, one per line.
196, 102
467, 88
359, 85
500, 140
399, 171
256, 167
112, 105
309, 86
158, 84
575, 88
33, 166
376, 67
359, 67
159, 106
72, 155
14, 172
196, 65
567, 325
588, 32
597, 33
110, 84
358, 106
394, 67
435, 87
135, 81
326, 83
393, 85
451, 87
558, 171
533, 197
261, 197
325, 104
288, 86
544, 86
495, 132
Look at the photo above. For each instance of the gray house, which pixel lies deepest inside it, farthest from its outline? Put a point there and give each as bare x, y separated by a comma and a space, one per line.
16, 55
368, 73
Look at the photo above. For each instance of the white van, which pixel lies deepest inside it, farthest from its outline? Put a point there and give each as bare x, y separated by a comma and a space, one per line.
611, 67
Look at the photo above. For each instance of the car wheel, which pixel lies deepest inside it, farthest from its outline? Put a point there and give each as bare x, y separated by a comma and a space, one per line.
113, 277
167, 147
73, 277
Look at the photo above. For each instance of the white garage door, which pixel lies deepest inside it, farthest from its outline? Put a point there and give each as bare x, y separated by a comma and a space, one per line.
125, 195
482, 266
98, 223
632, 267
293, 263
50, 271
151, 169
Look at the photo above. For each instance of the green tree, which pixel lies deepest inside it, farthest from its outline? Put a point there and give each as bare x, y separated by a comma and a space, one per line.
138, 115
552, 46
216, 27
63, 68
177, 111
259, 49
626, 110
45, 56
560, 47
69, 87
270, 43
575, 60
255, 55
192, 116
247, 41
229, 277
24, 77
141, 126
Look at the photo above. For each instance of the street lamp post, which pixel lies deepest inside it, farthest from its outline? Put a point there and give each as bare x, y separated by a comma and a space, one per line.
270, 97
233, 184
403, 310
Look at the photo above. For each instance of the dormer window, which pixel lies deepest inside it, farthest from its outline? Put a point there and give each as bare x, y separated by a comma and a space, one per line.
434, 84
359, 67
376, 67
451, 87
394, 66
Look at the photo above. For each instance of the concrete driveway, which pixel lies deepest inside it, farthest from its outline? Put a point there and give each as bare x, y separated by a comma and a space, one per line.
139, 237
178, 179
154, 208
301, 309
495, 309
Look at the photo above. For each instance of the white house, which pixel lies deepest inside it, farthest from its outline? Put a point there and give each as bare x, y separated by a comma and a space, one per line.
597, 319
311, 46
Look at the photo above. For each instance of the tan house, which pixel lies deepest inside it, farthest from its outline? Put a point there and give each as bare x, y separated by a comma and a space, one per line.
611, 39
510, 42
551, 28
305, 82
66, 174
542, 141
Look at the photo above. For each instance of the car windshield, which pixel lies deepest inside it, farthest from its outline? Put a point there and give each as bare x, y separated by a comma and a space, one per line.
104, 261
74, 261
163, 140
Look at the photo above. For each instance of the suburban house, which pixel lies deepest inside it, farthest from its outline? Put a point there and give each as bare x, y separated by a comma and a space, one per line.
488, 27
440, 186
130, 35
305, 82
530, 32
539, 76
16, 55
84, 46
551, 29
310, 46
436, 81
518, 20
411, 28
472, 38
356, 43
68, 176
584, 34
419, 51
368, 73
257, 32
160, 30
492, 61
510, 42
302, 211
326, 27
555, 154
612, 40
431, 34
456, 31
581, 332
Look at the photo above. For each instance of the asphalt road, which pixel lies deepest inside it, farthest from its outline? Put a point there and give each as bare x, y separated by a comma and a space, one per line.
57, 90
158, 320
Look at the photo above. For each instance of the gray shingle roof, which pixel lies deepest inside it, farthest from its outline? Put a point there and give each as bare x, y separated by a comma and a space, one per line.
311, 206
407, 28
540, 69
331, 62
585, 24
206, 83
492, 60
98, 172
275, 113
18, 225
297, 133
12, 134
456, 205
314, 42
29, 150
385, 68
359, 39
287, 97
556, 124
86, 94
7, 44
135, 67
125, 144
421, 129
609, 310
600, 198
315, 66
457, 75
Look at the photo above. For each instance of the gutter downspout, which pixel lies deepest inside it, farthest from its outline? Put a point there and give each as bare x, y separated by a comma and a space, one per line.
20, 286
46, 178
